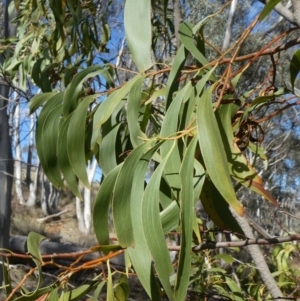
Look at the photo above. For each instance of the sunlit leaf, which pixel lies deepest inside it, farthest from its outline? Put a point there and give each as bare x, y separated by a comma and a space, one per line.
133, 108
213, 153
107, 151
174, 76
37, 100
139, 37
187, 39
122, 195
140, 255
153, 229
187, 211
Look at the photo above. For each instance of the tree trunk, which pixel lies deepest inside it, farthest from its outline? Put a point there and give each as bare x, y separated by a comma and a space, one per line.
18, 158
6, 162
30, 149
177, 19
259, 259
228, 31
83, 209
33, 187
50, 197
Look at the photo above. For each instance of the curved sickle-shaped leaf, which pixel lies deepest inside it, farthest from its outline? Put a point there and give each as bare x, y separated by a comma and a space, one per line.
153, 229
101, 206
137, 22
107, 107
295, 67
187, 215
46, 138
213, 153
123, 192
76, 140
133, 108
33, 243
140, 255
63, 158
107, 151
75, 87
37, 100
187, 39
169, 127
173, 80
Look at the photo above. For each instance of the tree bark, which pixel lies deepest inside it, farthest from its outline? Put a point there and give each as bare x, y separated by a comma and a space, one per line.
6, 162
296, 6
228, 31
258, 258
18, 157
177, 19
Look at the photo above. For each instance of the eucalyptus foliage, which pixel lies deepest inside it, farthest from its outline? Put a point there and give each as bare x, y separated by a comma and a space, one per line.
202, 127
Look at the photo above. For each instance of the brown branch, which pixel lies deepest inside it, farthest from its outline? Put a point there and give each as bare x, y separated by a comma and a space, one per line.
243, 243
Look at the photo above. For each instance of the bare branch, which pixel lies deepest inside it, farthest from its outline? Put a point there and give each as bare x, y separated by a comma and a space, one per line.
243, 243
44, 219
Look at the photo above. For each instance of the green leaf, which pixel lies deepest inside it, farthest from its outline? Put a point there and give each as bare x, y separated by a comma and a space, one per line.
107, 151
107, 107
170, 217
78, 292
46, 138
110, 290
53, 296
170, 127
76, 140
225, 257
173, 80
137, 22
37, 100
133, 111
6, 278
75, 87
122, 195
213, 152
187, 214
98, 291
101, 207
268, 8
187, 39
122, 289
217, 208
63, 158
295, 67
153, 229
33, 243
140, 255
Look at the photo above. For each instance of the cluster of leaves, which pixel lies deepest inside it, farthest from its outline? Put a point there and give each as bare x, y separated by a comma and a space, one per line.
54, 38
201, 130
